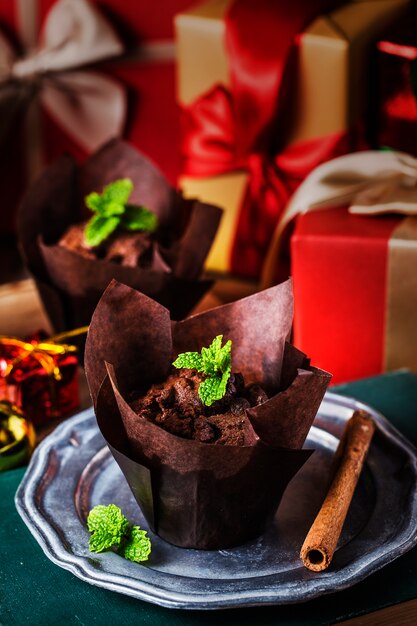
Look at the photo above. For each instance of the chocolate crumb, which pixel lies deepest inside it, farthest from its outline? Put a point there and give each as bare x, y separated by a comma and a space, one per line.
256, 395
238, 406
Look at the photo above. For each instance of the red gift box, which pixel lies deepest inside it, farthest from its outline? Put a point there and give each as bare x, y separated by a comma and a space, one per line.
355, 296
139, 20
397, 86
152, 116
135, 21
152, 122
33, 387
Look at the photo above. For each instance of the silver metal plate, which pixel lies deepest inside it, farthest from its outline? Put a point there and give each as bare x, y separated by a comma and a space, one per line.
72, 471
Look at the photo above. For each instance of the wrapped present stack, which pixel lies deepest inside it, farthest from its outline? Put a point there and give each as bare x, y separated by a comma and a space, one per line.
259, 113
267, 95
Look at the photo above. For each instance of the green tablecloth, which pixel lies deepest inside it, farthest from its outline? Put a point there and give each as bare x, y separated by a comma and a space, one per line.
35, 591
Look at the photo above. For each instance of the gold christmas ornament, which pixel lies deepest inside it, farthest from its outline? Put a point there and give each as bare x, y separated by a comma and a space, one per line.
17, 436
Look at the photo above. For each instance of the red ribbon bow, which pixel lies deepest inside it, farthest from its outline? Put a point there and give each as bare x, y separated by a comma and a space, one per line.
243, 128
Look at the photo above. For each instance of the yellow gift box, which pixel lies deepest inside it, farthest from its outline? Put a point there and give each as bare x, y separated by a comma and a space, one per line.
328, 96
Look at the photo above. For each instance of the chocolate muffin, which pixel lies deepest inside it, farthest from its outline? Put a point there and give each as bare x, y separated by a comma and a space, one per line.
207, 466
166, 263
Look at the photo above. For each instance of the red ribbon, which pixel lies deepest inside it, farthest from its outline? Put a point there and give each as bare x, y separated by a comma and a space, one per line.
243, 129
270, 185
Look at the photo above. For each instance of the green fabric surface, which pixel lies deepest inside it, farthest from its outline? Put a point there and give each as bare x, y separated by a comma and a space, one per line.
394, 394
35, 591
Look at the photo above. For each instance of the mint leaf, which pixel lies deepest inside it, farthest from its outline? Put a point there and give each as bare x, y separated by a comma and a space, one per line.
189, 360
112, 200
111, 210
137, 547
110, 528
216, 359
139, 218
216, 363
118, 191
93, 201
99, 228
108, 525
213, 388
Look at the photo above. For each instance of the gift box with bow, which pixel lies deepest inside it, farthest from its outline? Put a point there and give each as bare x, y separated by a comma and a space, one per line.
39, 375
355, 287
259, 114
51, 79
72, 108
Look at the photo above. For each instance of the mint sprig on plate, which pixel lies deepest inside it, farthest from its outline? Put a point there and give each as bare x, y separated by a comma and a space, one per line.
111, 529
111, 210
215, 362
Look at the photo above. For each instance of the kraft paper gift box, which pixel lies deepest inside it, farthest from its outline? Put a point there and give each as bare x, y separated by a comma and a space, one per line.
327, 100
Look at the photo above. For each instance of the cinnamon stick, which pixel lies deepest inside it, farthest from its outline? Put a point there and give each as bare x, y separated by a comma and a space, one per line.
321, 541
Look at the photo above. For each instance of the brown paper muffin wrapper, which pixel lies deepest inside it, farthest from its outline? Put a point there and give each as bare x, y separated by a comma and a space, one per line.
194, 494
71, 285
